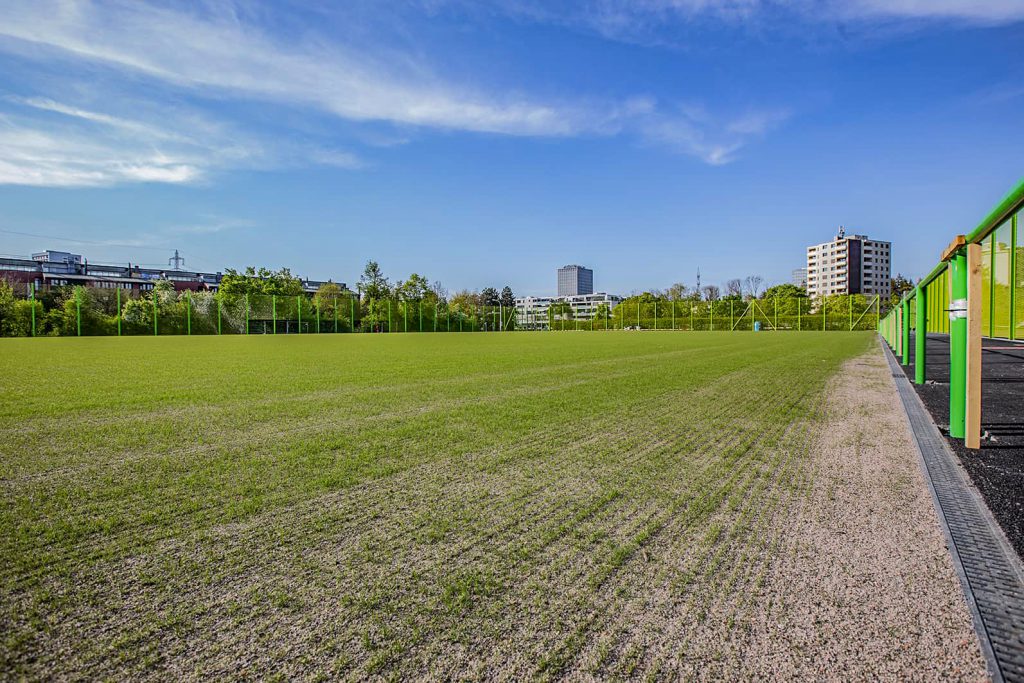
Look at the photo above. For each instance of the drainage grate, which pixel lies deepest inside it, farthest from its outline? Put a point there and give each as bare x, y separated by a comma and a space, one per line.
989, 569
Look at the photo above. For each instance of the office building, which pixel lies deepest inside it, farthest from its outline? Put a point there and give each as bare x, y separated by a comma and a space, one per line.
575, 280
849, 264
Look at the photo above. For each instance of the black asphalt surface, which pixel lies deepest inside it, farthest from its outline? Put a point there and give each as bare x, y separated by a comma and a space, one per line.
997, 468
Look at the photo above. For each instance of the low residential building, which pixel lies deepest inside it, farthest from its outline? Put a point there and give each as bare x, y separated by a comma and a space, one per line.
60, 269
532, 311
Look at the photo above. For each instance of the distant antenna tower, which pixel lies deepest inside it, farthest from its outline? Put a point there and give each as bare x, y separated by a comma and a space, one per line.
177, 261
698, 279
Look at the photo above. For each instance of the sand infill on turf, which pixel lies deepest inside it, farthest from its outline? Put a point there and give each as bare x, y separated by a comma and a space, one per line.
863, 586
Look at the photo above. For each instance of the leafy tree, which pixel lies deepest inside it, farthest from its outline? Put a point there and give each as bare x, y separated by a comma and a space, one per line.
507, 299
489, 296
372, 283
560, 310
677, 292
785, 291
465, 302
6, 308
602, 312
416, 288
900, 286
252, 281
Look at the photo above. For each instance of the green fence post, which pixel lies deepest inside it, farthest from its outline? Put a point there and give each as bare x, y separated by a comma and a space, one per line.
219, 317
318, 318
921, 336
273, 303
655, 314
638, 326
711, 314
335, 315
823, 305
156, 314
421, 315
958, 346
799, 325
33, 292
405, 316
247, 312
118, 313
435, 316
673, 315
298, 304
906, 331
849, 304
352, 306
78, 311
188, 312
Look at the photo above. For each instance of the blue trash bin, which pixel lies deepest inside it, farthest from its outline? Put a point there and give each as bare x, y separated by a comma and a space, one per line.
757, 326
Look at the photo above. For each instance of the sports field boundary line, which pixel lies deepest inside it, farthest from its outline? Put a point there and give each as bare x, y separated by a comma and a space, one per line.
988, 568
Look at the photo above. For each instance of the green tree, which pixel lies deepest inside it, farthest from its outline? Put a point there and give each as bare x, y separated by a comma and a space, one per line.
559, 311
900, 286
489, 296
416, 288
263, 281
677, 292
784, 291
6, 308
507, 299
372, 283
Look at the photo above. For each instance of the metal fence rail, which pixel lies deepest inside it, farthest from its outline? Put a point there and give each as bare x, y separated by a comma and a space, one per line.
975, 291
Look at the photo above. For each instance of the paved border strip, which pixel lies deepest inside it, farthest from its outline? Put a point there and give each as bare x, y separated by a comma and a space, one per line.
989, 569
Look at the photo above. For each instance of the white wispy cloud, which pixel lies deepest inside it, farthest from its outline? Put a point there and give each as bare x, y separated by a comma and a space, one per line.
716, 140
217, 54
654, 22
222, 53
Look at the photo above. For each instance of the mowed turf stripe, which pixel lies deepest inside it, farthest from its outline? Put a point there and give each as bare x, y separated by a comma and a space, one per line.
619, 516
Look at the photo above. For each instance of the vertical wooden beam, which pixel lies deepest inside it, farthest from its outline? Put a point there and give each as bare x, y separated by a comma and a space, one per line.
972, 409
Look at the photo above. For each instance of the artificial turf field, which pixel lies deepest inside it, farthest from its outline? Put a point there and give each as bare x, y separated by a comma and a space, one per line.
451, 505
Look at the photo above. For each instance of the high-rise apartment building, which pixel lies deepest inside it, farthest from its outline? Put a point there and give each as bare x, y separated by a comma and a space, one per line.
850, 264
575, 280
799, 277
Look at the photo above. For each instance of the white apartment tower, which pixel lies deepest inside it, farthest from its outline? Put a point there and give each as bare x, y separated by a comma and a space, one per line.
850, 264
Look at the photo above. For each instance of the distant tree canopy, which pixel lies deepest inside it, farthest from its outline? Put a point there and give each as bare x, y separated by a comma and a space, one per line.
784, 291
900, 286
489, 296
372, 283
507, 299
416, 288
263, 281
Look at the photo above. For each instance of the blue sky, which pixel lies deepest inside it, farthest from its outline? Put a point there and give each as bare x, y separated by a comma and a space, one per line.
487, 142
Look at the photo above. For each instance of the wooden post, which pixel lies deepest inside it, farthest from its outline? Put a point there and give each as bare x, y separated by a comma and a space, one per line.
972, 409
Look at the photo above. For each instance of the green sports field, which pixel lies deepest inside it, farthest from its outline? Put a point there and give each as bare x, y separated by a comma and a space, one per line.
400, 505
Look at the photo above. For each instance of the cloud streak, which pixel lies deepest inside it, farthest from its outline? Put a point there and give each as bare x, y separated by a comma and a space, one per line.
218, 55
